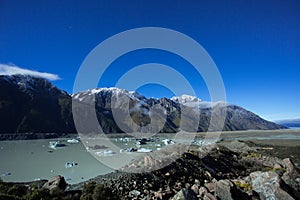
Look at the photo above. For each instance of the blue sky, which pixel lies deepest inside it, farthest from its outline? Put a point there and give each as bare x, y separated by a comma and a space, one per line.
255, 44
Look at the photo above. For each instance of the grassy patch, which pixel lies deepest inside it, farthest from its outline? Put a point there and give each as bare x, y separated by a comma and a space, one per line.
253, 155
243, 185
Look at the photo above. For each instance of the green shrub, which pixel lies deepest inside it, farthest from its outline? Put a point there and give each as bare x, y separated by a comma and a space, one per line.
17, 190
37, 194
279, 171
92, 191
253, 155
9, 197
88, 190
244, 186
103, 193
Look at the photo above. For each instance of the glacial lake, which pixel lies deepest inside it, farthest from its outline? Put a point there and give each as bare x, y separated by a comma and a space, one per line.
28, 160
33, 159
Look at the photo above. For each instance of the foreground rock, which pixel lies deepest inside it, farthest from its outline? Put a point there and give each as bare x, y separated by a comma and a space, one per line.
57, 183
226, 190
211, 172
268, 185
292, 177
185, 194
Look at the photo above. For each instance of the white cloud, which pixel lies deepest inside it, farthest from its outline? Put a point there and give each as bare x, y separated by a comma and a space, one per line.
12, 70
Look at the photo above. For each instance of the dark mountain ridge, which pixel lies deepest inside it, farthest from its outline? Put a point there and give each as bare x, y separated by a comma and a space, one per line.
33, 105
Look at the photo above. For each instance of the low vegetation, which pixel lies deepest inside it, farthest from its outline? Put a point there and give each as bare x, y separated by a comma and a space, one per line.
91, 191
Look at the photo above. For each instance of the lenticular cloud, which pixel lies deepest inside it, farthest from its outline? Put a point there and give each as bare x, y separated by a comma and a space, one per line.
12, 70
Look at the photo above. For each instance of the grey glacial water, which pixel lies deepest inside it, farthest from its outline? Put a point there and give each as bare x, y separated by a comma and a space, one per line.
28, 160
31, 159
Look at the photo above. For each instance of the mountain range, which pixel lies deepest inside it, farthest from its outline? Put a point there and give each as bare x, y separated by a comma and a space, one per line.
34, 105
289, 122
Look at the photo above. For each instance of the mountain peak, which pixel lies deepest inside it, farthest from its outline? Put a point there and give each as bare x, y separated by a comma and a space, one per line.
185, 98
108, 90
192, 101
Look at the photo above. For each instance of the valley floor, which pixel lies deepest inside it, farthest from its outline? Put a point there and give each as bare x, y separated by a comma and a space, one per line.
243, 165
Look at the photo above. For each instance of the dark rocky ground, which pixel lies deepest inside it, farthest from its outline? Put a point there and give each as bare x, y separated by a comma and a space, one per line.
279, 148
228, 170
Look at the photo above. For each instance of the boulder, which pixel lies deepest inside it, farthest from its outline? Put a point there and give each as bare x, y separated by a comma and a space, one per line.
197, 182
134, 193
56, 183
185, 194
268, 185
291, 176
209, 196
210, 186
226, 190
288, 164
195, 189
238, 146
202, 191
277, 166
158, 195
196, 186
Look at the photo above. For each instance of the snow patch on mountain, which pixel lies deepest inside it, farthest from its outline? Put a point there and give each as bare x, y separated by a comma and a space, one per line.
185, 99
192, 101
113, 92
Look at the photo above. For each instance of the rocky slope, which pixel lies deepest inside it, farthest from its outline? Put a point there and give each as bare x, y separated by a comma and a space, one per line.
229, 170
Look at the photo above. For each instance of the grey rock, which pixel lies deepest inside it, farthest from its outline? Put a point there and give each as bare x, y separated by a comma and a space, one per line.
197, 182
56, 183
202, 191
158, 195
277, 166
195, 189
268, 186
185, 194
238, 146
210, 186
209, 196
291, 176
134, 193
225, 190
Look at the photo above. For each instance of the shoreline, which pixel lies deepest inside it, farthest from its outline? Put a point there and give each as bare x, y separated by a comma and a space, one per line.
280, 148
226, 134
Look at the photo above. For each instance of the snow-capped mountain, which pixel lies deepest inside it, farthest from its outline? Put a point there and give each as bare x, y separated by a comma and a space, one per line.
186, 99
31, 104
191, 101
236, 117
117, 92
